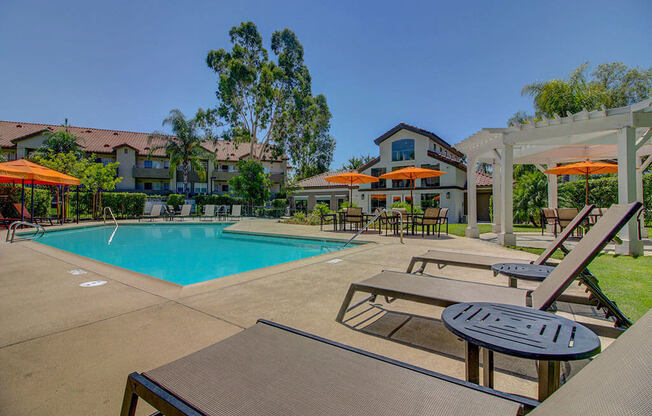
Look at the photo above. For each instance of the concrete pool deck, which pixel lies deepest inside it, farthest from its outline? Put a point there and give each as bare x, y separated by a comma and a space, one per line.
65, 349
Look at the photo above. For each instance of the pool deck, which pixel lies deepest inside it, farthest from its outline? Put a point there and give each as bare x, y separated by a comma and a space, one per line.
65, 349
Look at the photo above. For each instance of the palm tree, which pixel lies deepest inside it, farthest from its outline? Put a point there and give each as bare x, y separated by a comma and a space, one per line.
61, 141
184, 148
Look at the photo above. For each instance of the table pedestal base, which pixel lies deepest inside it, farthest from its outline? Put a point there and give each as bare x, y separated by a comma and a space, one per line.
548, 378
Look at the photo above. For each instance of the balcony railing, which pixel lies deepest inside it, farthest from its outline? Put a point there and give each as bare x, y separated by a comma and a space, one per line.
150, 173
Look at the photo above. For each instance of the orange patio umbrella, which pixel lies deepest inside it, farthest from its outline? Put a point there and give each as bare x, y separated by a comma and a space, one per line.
23, 170
351, 178
411, 173
585, 168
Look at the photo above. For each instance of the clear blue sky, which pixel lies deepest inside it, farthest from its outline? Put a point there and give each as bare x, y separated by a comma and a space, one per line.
449, 68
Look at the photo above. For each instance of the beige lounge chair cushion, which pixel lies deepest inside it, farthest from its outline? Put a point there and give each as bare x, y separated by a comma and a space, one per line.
439, 290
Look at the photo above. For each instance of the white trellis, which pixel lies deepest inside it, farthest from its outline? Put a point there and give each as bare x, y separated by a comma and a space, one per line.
621, 133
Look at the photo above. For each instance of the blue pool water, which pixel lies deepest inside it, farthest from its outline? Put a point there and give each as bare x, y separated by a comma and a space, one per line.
184, 253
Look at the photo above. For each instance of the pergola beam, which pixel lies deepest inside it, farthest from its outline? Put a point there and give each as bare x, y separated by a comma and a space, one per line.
643, 139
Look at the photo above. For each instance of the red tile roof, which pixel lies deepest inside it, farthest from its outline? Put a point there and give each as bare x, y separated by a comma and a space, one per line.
318, 181
482, 179
105, 141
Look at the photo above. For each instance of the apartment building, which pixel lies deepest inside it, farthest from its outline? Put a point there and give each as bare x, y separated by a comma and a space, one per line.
402, 146
140, 169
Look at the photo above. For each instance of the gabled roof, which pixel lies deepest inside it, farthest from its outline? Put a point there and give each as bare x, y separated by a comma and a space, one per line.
105, 141
369, 164
482, 179
431, 135
318, 181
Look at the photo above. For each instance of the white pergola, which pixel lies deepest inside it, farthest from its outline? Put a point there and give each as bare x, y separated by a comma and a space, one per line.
620, 133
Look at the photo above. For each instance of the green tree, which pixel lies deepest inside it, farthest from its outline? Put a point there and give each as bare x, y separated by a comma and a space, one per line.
610, 85
355, 163
61, 141
251, 183
184, 148
67, 163
268, 102
530, 193
98, 177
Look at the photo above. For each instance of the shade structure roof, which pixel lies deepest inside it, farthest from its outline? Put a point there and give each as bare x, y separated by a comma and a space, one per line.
566, 138
351, 178
412, 173
584, 168
24, 170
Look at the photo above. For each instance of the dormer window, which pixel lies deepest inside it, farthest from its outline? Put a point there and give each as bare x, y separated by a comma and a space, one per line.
403, 150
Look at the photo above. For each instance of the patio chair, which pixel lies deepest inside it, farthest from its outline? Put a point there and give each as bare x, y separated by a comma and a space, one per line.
157, 212
236, 212
549, 217
353, 216
430, 218
274, 369
171, 212
209, 212
28, 217
566, 215
395, 222
442, 291
442, 219
326, 218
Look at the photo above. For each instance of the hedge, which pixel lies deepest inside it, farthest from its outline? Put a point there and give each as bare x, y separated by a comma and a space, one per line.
603, 192
122, 204
223, 199
42, 199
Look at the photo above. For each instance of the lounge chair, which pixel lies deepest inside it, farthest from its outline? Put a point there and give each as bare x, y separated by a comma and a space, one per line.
209, 212
236, 212
273, 369
157, 212
6, 222
185, 211
443, 291
443, 258
28, 217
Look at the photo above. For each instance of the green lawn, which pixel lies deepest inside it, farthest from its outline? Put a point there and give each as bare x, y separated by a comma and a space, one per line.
626, 280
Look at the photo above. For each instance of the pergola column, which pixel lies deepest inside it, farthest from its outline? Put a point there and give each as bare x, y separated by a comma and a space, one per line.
640, 167
495, 190
552, 190
472, 203
506, 236
631, 244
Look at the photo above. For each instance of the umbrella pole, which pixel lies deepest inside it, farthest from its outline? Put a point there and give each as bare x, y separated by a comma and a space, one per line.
32, 214
22, 200
77, 204
412, 198
586, 189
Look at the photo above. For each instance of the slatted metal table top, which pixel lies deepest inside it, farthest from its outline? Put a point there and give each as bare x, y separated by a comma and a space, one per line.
523, 271
521, 331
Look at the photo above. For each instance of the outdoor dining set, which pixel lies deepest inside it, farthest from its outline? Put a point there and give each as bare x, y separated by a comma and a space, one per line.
396, 220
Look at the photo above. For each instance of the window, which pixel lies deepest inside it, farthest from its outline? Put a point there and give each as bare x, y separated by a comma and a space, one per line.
403, 150
430, 182
147, 164
166, 186
400, 183
166, 164
225, 188
225, 168
148, 186
382, 182
429, 200
266, 171
378, 201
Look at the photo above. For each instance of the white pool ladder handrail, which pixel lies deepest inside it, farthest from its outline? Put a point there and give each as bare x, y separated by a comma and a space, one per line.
374, 218
114, 221
38, 233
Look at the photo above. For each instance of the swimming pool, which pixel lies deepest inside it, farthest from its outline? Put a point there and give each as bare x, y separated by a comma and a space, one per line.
184, 253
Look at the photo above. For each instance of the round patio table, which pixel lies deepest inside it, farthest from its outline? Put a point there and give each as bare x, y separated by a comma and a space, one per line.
525, 271
520, 332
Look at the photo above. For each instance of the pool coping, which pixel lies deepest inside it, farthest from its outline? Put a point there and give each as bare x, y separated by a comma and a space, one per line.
171, 290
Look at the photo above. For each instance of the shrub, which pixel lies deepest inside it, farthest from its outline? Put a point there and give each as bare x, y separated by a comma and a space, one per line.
406, 206
280, 203
123, 204
176, 200
321, 209
42, 198
348, 204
